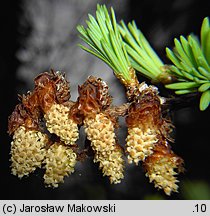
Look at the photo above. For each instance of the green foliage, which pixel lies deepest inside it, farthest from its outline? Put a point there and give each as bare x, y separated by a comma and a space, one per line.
143, 58
124, 47
196, 190
105, 42
191, 59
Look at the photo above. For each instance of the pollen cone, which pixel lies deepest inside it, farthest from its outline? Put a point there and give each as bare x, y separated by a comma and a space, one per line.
59, 123
162, 168
60, 162
143, 121
54, 94
100, 131
27, 151
100, 128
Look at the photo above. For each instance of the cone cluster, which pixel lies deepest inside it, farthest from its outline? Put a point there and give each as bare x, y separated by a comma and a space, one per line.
41, 115
45, 128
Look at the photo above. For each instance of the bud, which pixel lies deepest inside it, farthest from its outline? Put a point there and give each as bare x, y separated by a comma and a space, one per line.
60, 162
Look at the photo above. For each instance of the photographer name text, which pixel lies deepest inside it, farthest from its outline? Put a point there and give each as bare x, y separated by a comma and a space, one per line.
59, 208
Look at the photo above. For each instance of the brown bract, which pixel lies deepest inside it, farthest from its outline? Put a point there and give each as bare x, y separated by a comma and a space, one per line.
162, 168
51, 87
163, 150
93, 98
30, 102
146, 110
20, 116
45, 89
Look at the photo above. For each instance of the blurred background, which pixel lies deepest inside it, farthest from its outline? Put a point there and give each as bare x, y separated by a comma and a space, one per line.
38, 35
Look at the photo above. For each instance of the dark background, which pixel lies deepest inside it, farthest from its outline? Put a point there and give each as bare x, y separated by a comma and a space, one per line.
160, 21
